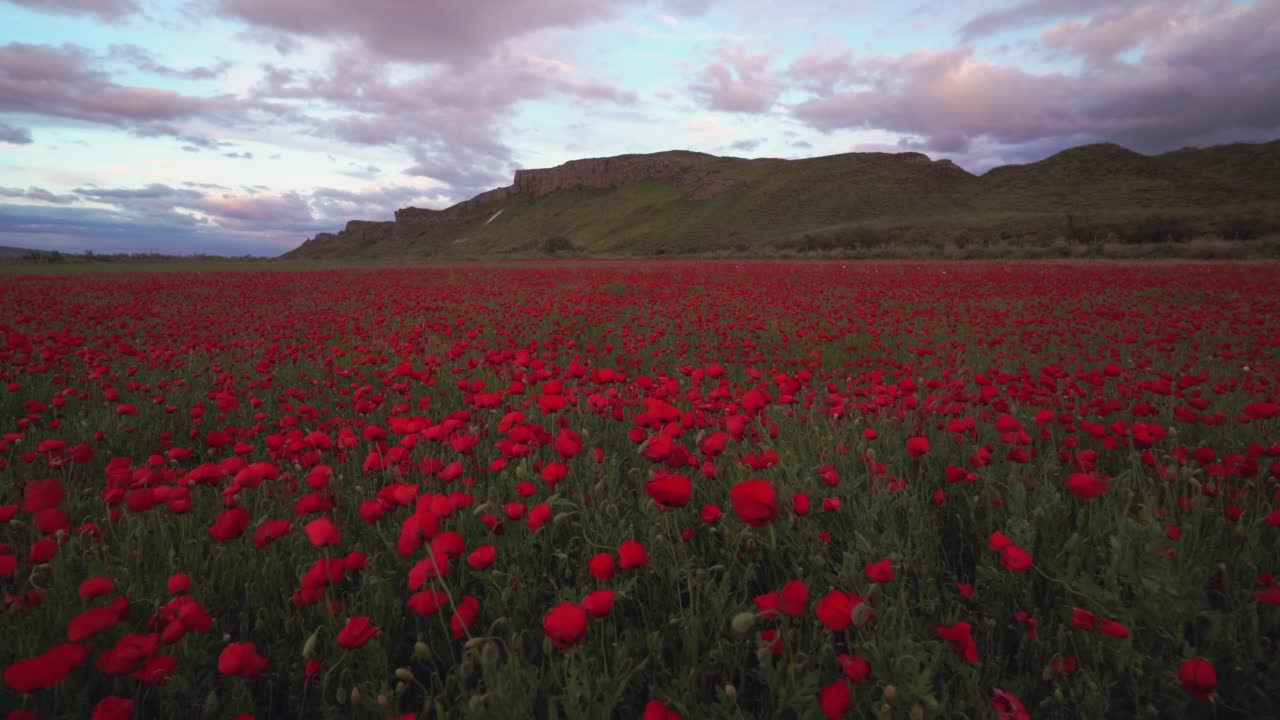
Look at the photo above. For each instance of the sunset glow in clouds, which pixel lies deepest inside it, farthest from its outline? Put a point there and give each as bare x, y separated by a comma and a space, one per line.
244, 126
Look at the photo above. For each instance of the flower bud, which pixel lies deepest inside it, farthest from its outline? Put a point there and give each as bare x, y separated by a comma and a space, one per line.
861, 613
309, 647
405, 674
742, 622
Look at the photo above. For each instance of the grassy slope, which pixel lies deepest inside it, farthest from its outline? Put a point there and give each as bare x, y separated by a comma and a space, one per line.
778, 199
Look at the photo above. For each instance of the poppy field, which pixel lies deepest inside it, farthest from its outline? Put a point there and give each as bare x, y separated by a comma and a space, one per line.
643, 490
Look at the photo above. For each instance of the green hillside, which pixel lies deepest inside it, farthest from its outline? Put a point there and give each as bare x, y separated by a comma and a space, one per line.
849, 200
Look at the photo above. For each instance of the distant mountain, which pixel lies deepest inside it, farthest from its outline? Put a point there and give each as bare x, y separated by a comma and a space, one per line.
687, 202
11, 253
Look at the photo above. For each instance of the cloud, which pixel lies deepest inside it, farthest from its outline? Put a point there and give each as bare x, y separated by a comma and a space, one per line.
76, 229
748, 144
194, 217
433, 30
737, 82
1201, 79
14, 135
143, 60
66, 82
36, 193
1027, 13
105, 9
449, 120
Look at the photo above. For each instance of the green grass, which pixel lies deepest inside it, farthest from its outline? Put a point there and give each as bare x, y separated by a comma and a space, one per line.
1106, 190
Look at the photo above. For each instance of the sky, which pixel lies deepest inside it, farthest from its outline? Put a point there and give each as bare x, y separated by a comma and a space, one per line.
240, 127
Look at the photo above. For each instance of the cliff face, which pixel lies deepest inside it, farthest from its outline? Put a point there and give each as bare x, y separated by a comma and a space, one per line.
599, 173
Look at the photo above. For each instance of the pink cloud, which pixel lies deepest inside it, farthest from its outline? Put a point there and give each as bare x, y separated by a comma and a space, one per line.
1205, 73
104, 9
738, 81
67, 82
437, 30
1029, 12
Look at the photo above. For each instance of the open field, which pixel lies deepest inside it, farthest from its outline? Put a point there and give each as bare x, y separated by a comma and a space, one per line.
623, 489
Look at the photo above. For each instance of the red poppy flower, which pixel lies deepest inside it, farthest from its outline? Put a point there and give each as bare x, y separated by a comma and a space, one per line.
1086, 486
97, 620
565, 624
829, 476
656, 710
755, 502
1198, 678
482, 557
835, 610
179, 584
95, 587
41, 494
601, 567
1083, 619
112, 708
464, 617
710, 514
598, 603
669, 491
1063, 665
834, 699
45, 670
434, 565
1111, 628
323, 532
539, 516
229, 525
428, 602
1007, 706
800, 504
918, 446
880, 572
270, 531
961, 638
241, 659
42, 551
358, 631
1015, 559
631, 555
156, 670
855, 667
795, 598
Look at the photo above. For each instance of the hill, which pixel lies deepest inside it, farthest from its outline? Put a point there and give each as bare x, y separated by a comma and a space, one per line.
8, 252
687, 202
